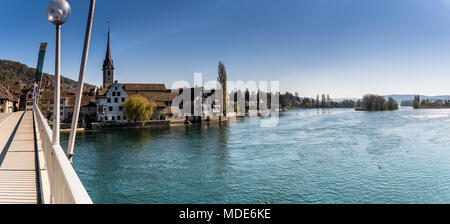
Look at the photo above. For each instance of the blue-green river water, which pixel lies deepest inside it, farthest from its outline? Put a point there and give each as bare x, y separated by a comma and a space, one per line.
312, 156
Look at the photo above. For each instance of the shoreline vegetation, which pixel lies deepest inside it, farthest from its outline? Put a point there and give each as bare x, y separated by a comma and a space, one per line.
372, 102
430, 104
288, 101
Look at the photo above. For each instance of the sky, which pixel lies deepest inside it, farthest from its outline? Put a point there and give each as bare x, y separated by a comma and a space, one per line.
345, 48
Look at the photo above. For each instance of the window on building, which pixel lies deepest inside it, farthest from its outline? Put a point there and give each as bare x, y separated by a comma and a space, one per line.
113, 118
118, 93
110, 108
120, 108
114, 93
124, 118
115, 88
118, 118
123, 99
109, 100
116, 100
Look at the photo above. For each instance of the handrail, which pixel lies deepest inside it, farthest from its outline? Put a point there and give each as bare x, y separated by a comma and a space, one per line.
65, 185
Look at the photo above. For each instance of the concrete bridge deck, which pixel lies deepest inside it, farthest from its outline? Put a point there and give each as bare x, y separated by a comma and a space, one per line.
18, 176
34, 170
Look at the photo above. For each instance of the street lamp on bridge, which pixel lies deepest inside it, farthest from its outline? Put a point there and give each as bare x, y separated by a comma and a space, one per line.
58, 12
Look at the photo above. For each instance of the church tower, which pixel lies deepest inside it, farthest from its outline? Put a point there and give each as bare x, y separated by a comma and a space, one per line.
108, 65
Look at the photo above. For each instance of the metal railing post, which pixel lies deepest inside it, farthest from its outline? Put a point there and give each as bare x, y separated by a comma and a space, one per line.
76, 112
57, 97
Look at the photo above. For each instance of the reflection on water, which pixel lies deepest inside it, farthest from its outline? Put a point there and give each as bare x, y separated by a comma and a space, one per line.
312, 156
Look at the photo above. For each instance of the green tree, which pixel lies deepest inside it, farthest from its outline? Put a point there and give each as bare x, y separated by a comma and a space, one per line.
391, 104
138, 108
416, 102
378, 103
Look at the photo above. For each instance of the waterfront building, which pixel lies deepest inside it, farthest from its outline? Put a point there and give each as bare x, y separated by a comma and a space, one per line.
26, 97
110, 100
200, 101
111, 97
7, 101
46, 103
14, 87
88, 108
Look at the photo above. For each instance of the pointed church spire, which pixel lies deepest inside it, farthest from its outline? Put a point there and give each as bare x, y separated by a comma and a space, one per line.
108, 63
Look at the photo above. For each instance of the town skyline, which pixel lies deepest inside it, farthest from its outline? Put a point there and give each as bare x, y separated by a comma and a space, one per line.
346, 49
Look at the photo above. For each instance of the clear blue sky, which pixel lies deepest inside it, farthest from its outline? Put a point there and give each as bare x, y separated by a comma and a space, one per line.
344, 48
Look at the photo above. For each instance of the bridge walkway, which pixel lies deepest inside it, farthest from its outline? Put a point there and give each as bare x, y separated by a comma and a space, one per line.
18, 177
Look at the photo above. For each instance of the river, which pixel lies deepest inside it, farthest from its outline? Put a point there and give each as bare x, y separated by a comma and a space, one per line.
312, 156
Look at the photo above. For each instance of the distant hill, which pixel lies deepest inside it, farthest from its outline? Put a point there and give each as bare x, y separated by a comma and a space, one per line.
342, 99
403, 97
408, 97
15, 71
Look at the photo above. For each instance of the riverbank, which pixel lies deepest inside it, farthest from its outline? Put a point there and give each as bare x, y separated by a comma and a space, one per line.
65, 127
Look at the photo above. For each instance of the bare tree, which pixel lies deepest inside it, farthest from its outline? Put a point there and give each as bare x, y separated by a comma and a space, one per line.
222, 79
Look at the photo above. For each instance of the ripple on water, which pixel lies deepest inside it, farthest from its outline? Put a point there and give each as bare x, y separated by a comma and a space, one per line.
312, 156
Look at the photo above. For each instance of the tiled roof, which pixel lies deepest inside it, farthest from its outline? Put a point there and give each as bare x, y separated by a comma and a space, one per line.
143, 87
102, 92
14, 87
167, 110
153, 92
134, 88
160, 104
47, 95
6, 95
50, 95
157, 96
85, 101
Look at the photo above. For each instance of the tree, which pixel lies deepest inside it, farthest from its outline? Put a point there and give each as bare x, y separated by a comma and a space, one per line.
416, 102
378, 103
138, 108
290, 101
222, 79
391, 104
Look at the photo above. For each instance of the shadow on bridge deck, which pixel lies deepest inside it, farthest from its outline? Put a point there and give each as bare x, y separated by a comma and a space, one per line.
18, 178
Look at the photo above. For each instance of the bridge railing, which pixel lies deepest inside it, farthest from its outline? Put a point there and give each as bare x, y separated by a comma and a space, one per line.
59, 182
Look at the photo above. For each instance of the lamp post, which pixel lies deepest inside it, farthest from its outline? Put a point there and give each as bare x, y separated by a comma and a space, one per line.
58, 12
